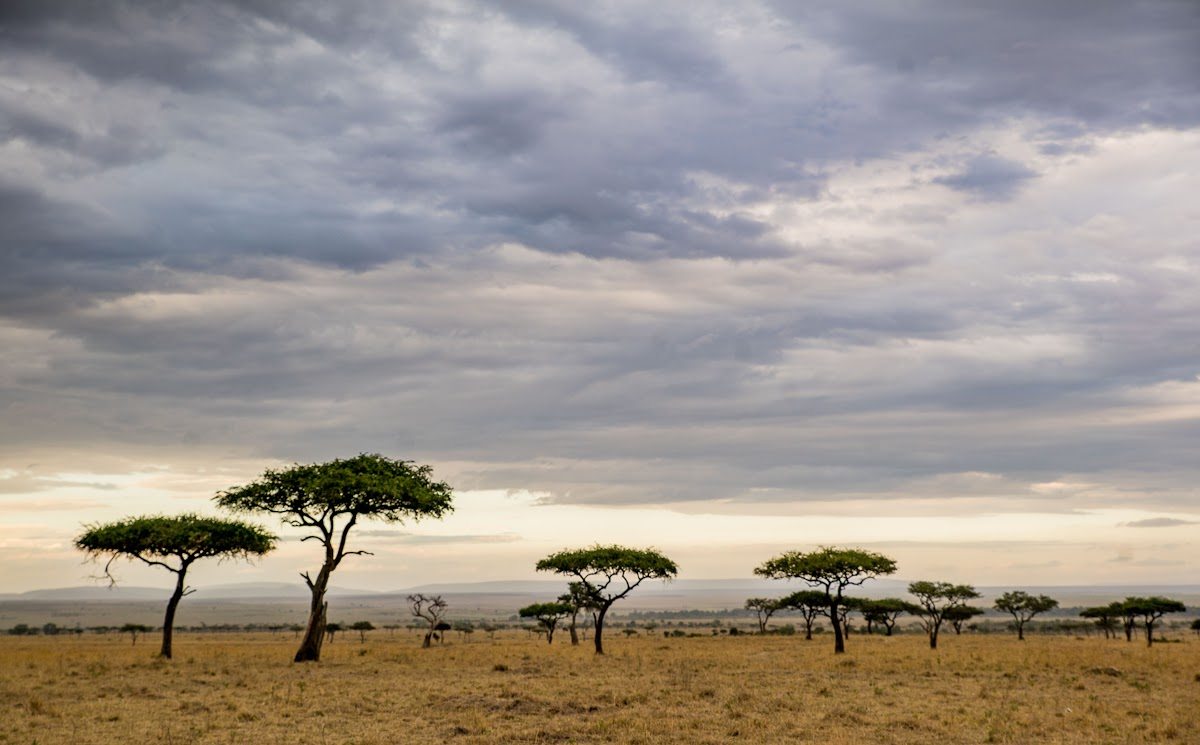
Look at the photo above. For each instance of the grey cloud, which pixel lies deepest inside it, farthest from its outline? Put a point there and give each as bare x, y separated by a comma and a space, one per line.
989, 177
625, 260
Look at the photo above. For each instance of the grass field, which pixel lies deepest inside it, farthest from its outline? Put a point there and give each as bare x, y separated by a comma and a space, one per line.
513, 688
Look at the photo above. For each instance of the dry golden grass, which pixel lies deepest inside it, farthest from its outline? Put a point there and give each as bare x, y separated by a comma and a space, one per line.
244, 689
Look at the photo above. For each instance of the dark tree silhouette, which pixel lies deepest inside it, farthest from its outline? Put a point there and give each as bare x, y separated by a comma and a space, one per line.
833, 570
885, 612
173, 543
430, 609
809, 604
331, 630
1023, 607
133, 629
1151, 609
577, 598
608, 573
362, 627
328, 499
960, 614
547, 615
935, 598
1106, 617
764, 608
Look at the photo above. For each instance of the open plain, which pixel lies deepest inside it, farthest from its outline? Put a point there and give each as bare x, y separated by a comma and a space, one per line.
101, 690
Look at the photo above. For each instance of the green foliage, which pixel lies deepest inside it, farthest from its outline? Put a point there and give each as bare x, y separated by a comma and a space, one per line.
545, 610
366, 485
598, 569
810, 599
828, 567
1023, 605
935, 599
186, 538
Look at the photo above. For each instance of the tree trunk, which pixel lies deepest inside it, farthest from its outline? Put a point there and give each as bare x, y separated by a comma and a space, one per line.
1128, 631
169, 619
428, 642
839, 641
550, 634
314, 635
933, 635
1020, 632
1149, 633
598, 636
574, 634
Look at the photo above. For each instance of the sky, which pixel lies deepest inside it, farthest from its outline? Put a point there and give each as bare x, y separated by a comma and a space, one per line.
723, 279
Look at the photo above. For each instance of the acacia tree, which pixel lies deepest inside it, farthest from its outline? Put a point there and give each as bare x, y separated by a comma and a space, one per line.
607, 574
362, 627
430, 609
1023, 607
809, 604
885, 612
1105, 616
960, 614
833, 570
577, 599
173, 543
764, 608
1151, 609
935, 598
547, 615
328, 499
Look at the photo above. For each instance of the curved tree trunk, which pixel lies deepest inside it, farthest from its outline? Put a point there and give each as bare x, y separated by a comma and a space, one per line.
598, 636
839, 641
169, 619
314, 634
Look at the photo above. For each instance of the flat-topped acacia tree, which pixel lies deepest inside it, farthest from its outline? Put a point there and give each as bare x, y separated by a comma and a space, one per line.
607, 574
1023, 606
329, 499
935, 600
832, 570
173, 543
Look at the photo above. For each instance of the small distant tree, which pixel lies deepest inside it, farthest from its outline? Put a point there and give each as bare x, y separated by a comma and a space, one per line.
464, 629
885, 612
362, 627
833, 570
578, 599
22, 629
608, 573
764, 608
173, 543
548, 615
934, 599
1105, 617
1196, 626
960, 614
430, 609
134, 629
1151, 609
1023, 607
809, 604
328, 500
331, 630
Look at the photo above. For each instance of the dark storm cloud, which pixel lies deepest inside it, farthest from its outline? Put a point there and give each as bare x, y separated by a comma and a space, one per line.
609, 253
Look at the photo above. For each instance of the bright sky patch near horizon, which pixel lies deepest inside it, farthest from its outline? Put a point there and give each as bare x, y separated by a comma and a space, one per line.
727, 280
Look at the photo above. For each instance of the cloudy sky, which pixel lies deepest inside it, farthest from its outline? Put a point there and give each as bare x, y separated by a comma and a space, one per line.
726, 279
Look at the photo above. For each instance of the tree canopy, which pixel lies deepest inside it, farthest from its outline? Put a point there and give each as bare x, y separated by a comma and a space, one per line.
830, 568
547, 615
1151, 609
1023, 606
329, 499
935, 599
608, 573
173, 543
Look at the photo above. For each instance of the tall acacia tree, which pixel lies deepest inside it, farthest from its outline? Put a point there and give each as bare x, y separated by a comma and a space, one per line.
1023, 606
607, 574
935, 599
1151, 609
329, 499
173, 543
833, 570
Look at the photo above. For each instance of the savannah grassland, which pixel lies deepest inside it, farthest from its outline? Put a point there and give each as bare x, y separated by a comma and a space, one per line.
514, 688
